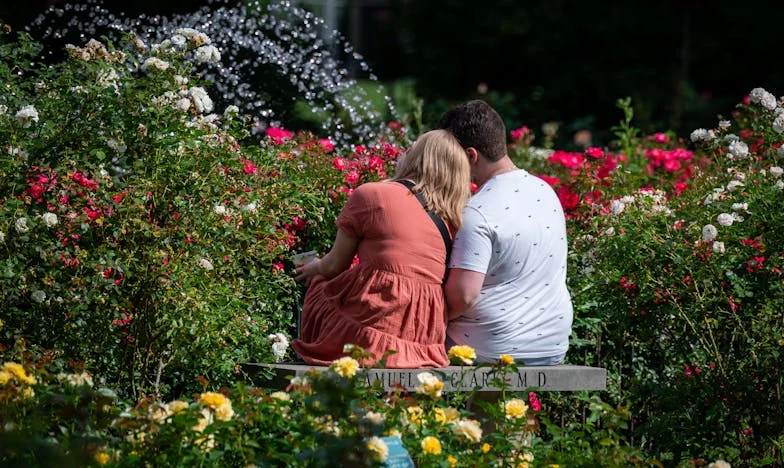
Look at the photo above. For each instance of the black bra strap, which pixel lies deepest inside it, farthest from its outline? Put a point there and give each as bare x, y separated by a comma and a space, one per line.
436, 219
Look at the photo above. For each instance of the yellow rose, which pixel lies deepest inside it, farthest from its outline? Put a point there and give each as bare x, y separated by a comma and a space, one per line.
224, 412
394, 433
446, 415
452, 461
282, 396
463, 353
485, 447
468, 429
102, 458
431, 445
414, 414
212, 399
204, 421
18, 371
5, 377
345, 367
430, 385
176, 406
28, 392
524, 460
515, 408
378, 449
506, 360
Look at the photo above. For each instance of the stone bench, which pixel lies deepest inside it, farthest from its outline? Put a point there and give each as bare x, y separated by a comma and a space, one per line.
545, 378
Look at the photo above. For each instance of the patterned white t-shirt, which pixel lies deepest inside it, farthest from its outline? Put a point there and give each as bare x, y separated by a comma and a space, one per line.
514, 231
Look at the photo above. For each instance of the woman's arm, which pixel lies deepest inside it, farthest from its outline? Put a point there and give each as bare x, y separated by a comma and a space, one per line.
332, 264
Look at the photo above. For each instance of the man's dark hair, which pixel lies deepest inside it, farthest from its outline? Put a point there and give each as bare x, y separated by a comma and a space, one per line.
476, 124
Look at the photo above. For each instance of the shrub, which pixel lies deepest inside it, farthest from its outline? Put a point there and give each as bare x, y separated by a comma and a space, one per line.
675, 272
142, 235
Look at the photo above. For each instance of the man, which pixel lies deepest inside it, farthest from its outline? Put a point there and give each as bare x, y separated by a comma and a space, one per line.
506, 289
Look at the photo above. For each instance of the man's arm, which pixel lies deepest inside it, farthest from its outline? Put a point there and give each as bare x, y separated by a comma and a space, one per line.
462, 290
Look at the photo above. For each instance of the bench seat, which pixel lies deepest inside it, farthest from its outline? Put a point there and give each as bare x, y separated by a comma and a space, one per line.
544, 378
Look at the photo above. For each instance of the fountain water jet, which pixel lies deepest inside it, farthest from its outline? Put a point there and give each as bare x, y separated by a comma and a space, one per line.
271, 57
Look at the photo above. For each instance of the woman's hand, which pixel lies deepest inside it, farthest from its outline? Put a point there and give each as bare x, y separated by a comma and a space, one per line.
306, 272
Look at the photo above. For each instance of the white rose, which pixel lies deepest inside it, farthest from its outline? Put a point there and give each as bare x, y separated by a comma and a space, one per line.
21, 225
207, 54
778, 124
38, 296
155, 64
699, 135
374, 418
183, 104
740, 207
26, 116
779, 184
733, 184
50, 219
709, 232
724, 124
776, 171
220, 210
763, 98
201, 100
231, 110
180, 80
617, 207
718, 247
725, 219
178, 40
117, 145
206, 264
739, 149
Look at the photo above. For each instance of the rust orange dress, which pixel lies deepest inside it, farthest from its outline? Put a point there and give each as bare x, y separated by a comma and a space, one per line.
393, 299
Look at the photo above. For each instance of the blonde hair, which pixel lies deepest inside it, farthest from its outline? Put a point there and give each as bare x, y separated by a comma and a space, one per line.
439, 167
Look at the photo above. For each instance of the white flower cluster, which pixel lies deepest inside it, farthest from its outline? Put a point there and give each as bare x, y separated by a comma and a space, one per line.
702, 135
26, 116
21, 225
155, 64
738, 149
762, 97
193, 36
201, 100
108, 79
94, 50
76, 380
38, 296
778, 122
207, 54
280, 344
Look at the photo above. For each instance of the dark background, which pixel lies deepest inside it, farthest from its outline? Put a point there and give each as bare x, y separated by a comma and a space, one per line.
683, 62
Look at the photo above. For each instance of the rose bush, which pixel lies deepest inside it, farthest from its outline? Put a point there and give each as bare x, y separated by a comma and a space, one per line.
144, 235
325, 418
675, 270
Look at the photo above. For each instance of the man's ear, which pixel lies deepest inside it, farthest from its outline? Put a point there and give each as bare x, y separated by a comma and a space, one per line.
473, 155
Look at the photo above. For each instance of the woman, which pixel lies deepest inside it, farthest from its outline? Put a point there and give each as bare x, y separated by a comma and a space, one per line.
393, 299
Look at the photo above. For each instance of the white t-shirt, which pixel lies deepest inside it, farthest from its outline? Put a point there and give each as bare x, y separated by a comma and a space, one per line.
514, 231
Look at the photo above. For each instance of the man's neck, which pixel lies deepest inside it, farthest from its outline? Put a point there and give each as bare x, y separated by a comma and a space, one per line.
493, 169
